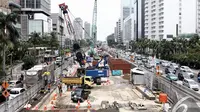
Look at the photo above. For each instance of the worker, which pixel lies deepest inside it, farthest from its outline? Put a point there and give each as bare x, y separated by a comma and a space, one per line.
60, 88
49, 87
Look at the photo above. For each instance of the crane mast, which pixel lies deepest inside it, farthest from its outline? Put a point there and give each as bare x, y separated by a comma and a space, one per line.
94, 29
94, 23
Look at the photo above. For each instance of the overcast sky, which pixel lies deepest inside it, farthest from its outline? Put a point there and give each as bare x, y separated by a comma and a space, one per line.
108, 13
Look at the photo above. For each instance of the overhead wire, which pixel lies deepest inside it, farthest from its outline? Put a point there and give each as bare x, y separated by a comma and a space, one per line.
79, 23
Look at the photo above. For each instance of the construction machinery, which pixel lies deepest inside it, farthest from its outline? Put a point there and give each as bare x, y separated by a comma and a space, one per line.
94, 30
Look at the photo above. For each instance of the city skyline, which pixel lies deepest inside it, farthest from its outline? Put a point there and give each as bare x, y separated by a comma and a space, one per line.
106, 16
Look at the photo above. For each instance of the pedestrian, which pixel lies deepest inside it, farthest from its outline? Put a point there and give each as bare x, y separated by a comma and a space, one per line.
22, 77
49, 87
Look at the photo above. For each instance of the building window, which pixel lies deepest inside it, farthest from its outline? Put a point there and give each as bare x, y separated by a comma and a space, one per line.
30, 4
161, 27
161, 31
161, 4
38, 4
161, 13
160, 0
54, 24
54, 29
22, 3
160, 18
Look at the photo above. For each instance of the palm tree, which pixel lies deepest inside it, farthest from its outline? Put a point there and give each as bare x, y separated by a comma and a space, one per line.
8, 32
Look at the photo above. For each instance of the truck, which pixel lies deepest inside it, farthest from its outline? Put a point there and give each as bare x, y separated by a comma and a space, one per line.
79, 94
97, 74
83, 81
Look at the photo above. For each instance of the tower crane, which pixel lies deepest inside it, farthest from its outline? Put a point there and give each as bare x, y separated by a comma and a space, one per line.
94, 29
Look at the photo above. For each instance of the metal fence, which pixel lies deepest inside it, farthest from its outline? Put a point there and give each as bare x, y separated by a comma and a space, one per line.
14, 104
167, 87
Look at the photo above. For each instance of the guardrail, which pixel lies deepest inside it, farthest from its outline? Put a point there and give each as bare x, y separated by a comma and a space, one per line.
185, 90
15, 104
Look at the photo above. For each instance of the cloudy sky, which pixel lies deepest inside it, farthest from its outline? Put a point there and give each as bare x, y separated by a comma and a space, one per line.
108, 13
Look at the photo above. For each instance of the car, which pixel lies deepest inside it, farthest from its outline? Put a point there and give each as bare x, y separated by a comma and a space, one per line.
170, 70
182, 76
188, 73
172, 76
15, 84
185, 68
15, 92
191, 84
79, 94
198, 77
174, 65
165, 63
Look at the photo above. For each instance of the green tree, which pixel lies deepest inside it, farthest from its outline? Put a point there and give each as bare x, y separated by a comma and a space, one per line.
35, 40
8, 32
29, 62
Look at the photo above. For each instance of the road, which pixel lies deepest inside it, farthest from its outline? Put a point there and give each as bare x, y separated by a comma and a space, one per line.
118, 90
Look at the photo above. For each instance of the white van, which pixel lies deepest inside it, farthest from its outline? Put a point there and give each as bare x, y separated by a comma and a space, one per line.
191, 84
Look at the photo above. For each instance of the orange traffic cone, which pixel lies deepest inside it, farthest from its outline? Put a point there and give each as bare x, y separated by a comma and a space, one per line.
88, 101
89, 106
78, 103
77, 107
36, 107
52, 107
45, 107
54, 97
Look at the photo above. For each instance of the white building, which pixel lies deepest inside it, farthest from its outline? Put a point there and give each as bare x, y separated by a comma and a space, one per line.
161, 19
87, 30
119, 32
115, 33
165, 19
78, 23
129, 29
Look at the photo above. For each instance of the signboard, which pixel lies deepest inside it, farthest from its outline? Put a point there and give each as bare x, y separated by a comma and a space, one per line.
5, 85
6, 93
31, 16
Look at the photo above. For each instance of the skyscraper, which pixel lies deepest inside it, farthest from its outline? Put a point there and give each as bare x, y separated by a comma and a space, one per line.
78, 23
87, 30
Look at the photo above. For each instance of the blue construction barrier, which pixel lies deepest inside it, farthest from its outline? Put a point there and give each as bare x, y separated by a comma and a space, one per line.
117, 72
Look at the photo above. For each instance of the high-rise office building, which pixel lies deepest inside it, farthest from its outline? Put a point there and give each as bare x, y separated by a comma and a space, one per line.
58, 26
119, 32
87, 30
129, 28
133, 24
78, 23
161, 19
35, 17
